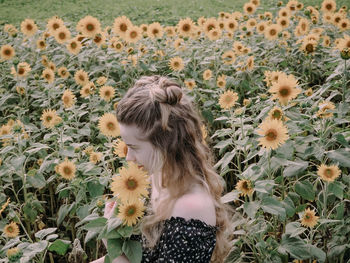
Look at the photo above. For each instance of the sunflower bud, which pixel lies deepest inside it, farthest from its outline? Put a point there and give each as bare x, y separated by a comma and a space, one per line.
280, 3
15, 62
14, 254
36, 77
104, 46
345, 53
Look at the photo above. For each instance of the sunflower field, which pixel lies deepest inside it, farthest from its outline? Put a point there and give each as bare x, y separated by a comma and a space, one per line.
273, 88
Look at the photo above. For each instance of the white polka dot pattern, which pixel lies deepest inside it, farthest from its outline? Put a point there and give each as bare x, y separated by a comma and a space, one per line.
183, 241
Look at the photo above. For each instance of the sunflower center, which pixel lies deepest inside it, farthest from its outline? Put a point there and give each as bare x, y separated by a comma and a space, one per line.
283, 22
131, 210
118, 46
125, 150
97, 39
337, 19
67, 170
66, 99
63, 72
329, 7
48, 118
210, 27
273, 32
7, 52
90, 27
249, 9
307, 216
155, 31
245, 186
62, 35
81, 77
276, 114
29, 27
271, 135
231, 25
284, 91
107, 93
111, 126
55, 26
20, 71
10, 229
328, 173
123, 27
47, 76
309, 48
42, 43
131, 184
176, 64
303, 26
186, 27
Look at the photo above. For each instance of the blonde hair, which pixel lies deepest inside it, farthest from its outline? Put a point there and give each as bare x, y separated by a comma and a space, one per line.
166, 116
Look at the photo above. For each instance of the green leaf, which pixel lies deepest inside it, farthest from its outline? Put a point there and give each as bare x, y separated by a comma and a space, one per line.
273, 206
264, 186
295, 246
133, 251
295, 168
114, 247
29, 211
125, 231
251, 208
35, 179
63, 212
95, 189
336, 188
294, 229
223, 144
59, 246
96, 225
289, 206
340, 156
305, 190
43, 233
36, 147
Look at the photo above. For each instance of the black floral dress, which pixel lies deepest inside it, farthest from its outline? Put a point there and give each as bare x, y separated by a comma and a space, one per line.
182, 241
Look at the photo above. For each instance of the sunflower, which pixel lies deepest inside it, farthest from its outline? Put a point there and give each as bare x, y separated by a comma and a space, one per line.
81, 77
107, 93
328, 6
120, 148
101, 80
309, 92
14, 254
231, 25
344, 24
274, 133
67, 169
221, 81
48, 75
68, 98
283, 22
185, 27
130, 212
250, 62
95, 157
118, 46
228, 99
10, 29
238, 47
63, 72
336, 18
89, 26
74, 46
272, 31
108, 125
11, 230
260, 27
308, 46
201, 20
155, 30
41, 44
284, 12
207, 74
324, 107
214, 34
304, 26
328, 173
144, 29
190, 84
292, 5
210, 24
62, 35
132, 183
276, 113
179, 44
170, 31
87, 89
49, 118
23, 69
28, 27
285, 89
133, 34
54, 23
249, 8
245, 187
343, 43
99, 39
251, 23
7, 52
176, 63
121, 25
309, 218
327, 18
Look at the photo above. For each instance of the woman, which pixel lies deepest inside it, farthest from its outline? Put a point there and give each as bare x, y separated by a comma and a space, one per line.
186, 221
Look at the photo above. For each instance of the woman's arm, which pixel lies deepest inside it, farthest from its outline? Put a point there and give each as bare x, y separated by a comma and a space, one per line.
120, 259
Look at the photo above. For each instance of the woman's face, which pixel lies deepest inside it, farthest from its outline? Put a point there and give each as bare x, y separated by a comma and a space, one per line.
139, 151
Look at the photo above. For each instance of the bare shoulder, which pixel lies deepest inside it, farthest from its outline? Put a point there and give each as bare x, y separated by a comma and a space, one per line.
198, 205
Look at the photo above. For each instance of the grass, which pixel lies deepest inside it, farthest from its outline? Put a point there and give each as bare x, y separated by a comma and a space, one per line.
167, 12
